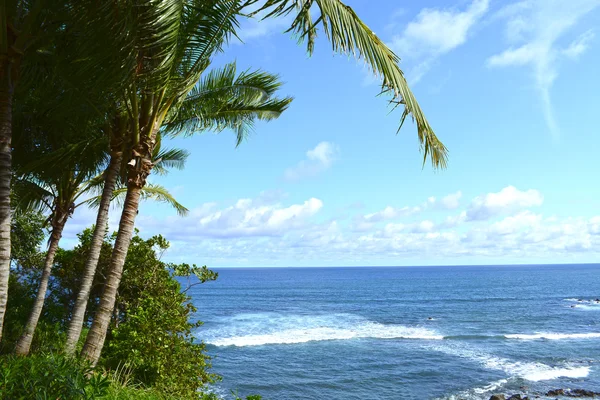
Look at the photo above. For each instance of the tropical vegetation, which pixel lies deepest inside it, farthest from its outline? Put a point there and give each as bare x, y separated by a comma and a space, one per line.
89, 93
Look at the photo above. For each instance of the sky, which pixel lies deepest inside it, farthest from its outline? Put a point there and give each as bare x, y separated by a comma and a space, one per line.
510, 87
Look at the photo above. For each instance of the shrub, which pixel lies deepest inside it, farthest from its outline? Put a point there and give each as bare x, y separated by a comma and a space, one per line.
48, 377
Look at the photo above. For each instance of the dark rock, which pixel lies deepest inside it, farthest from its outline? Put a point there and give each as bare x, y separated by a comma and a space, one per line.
515, 397
497, 397
572, 393
582, 393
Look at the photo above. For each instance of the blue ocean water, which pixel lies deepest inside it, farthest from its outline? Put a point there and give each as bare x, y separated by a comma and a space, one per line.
402, 333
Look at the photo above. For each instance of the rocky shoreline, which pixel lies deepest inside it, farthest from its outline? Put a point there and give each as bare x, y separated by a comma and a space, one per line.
556, 393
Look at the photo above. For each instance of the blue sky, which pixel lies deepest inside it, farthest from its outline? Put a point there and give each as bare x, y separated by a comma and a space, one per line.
511, 88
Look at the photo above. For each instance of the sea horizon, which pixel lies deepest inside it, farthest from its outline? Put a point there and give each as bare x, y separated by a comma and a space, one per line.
411, 266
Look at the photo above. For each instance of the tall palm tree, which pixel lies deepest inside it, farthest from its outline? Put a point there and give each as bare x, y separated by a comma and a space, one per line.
115, 188
190, 32
223, 99
54, 190
19, 28
63, 191
38, 37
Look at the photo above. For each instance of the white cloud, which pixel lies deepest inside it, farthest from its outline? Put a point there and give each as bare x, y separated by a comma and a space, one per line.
246, 218
435, 32
509, 199
317, 160
269, 230
391, 213
579, 45
452, 201
535, 27
516, 223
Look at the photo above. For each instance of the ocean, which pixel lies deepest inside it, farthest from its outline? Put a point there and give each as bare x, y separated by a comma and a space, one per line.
402, 333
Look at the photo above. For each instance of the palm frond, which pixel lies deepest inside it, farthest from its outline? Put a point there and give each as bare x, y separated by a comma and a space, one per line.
222, 100
149, 192
31, 195
349, 35
206, 27
169, 158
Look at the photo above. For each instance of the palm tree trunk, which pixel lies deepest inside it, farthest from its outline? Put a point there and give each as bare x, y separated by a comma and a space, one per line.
6, 94
95, 338
76, 322
24, 342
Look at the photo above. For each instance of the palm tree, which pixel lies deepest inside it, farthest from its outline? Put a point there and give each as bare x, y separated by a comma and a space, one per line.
115, 129
113, 188
19, 24
189, 33
54, 190
61, 194
42, 37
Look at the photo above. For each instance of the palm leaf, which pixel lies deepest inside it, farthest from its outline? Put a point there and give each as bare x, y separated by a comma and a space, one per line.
349, 35
149, 192
31, 195
169, 158
222, 100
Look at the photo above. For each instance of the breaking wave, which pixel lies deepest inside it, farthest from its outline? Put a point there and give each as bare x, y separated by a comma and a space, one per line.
531, 371
554, 336
267, 329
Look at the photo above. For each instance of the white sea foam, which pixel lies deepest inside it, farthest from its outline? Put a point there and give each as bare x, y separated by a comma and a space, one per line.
583, 304
531, 371
554, 336
492, 386
588, 307
476, 393
278, 329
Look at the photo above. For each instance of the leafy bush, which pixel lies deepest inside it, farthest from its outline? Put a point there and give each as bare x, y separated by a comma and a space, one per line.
48, 377
152, 332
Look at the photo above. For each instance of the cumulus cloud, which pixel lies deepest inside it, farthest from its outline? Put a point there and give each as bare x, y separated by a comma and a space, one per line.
449, 202
534, 28
270, 230
366, 221
435, 32
245, 218
507, 200
391, 213
317, 160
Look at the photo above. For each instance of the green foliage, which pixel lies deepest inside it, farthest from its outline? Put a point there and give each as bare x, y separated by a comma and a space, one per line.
27, 234
48, 377
152, 333
27, 238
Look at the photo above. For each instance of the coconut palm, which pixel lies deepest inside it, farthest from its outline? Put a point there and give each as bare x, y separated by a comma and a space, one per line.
19, 27
69, 188
222, 100
53, 190
39, 38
